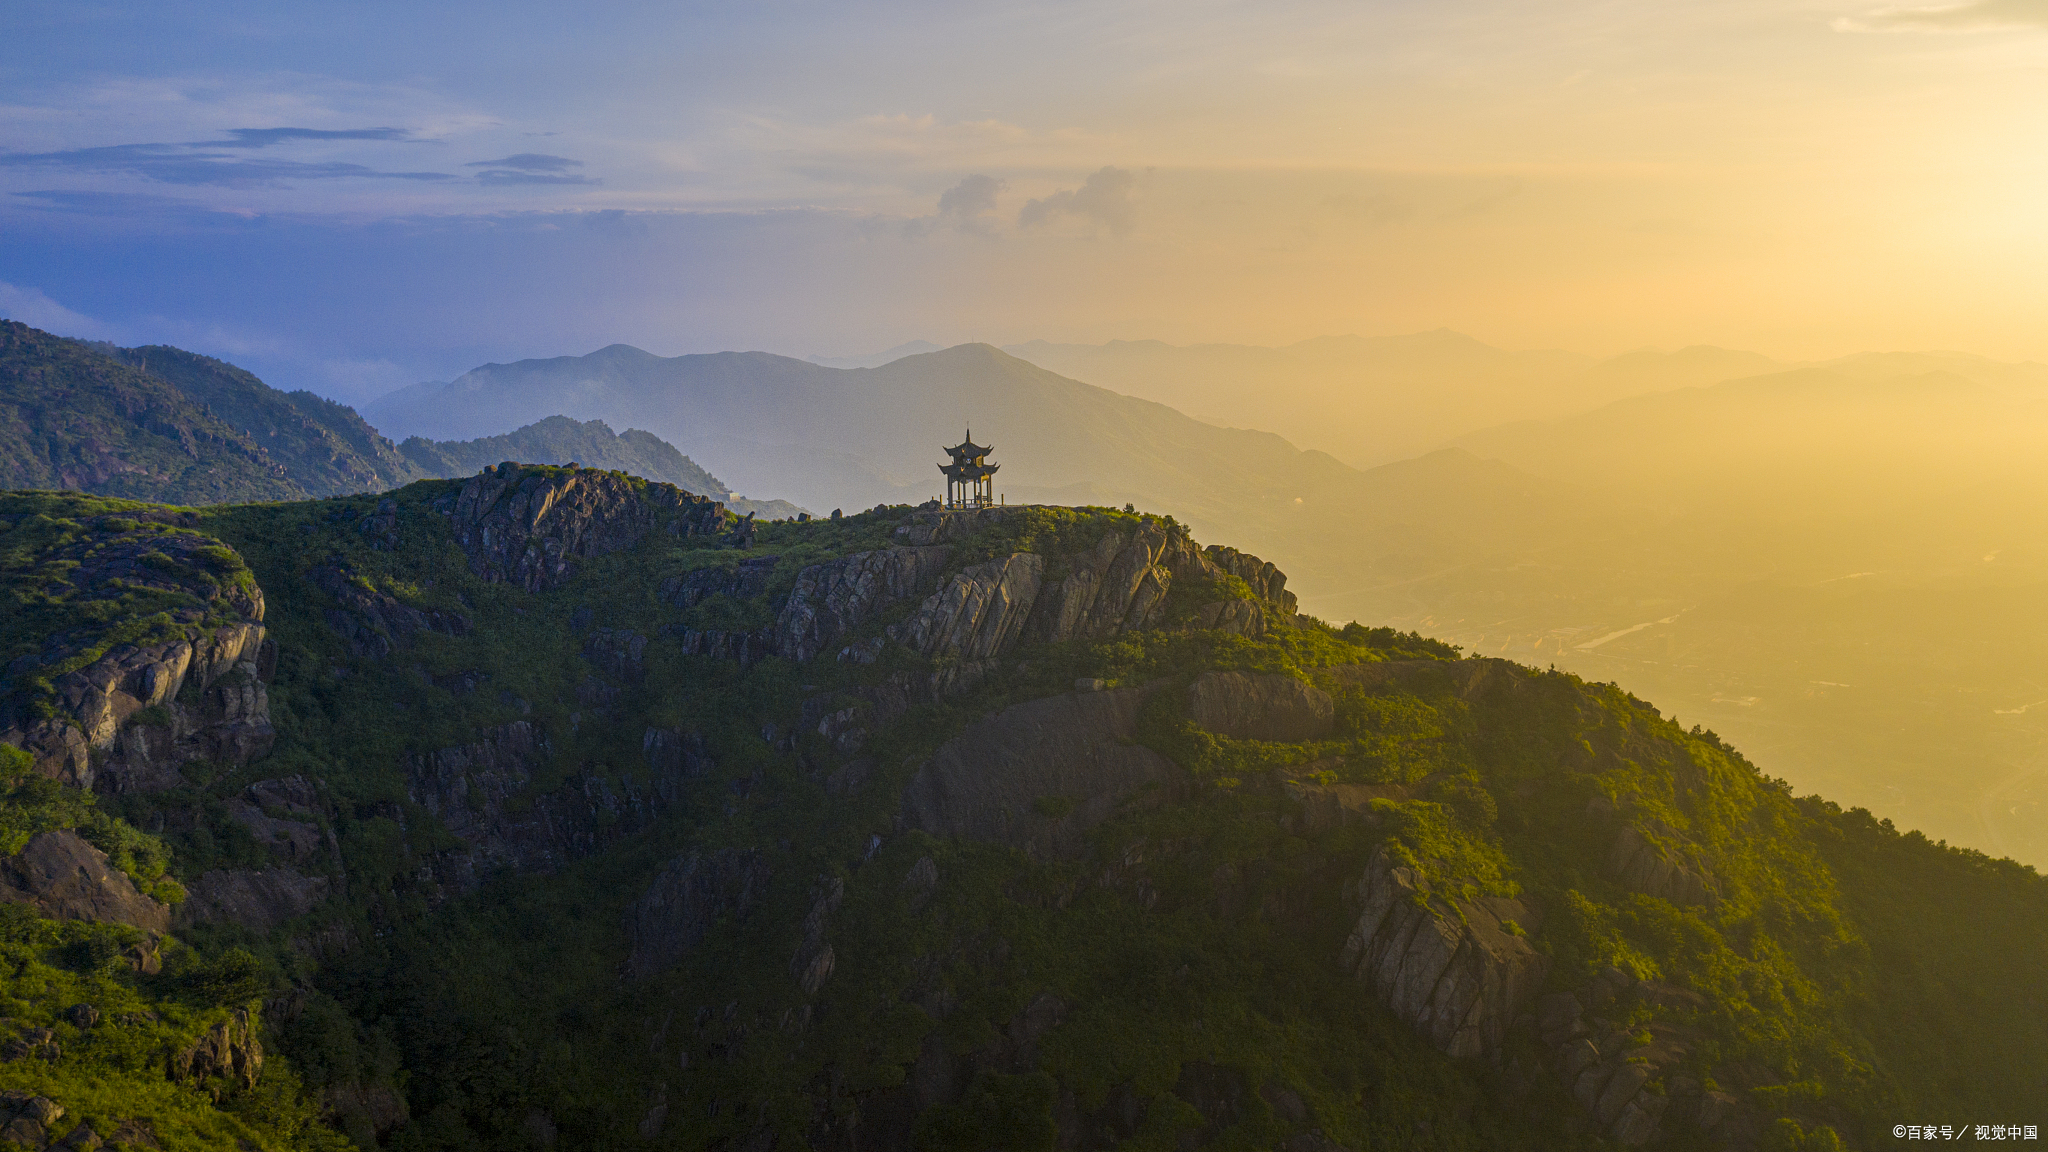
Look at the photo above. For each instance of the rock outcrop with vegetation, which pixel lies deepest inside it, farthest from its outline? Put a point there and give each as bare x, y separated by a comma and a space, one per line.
556, 808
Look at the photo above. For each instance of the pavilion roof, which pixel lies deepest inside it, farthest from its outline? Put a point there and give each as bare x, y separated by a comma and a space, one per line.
968, 449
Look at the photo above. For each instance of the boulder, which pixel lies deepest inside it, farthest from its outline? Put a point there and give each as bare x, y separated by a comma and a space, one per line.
1660, 863
1038, 775
1445, 965
528, 525
289, 793
69, 879
1261, 706
260, 900
229, 1050
834, 598
1242, 617
679, 908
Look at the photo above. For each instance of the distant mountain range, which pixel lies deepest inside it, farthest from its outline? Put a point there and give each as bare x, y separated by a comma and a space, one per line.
829, 437
1370, 400
161, 423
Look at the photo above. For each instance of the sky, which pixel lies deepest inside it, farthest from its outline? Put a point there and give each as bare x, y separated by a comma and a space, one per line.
351, 198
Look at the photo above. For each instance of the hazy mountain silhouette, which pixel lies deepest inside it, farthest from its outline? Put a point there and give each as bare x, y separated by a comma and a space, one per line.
877, 359
827, 437
1368, 400
1846, 435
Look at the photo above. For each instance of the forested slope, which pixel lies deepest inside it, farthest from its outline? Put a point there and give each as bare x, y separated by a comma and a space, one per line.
553, 807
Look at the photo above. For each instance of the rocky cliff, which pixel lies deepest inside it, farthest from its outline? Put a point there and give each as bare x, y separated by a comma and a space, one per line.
194, 668
833, 599
1457, 969
482, 793
65, 878
528, 525
1040, 775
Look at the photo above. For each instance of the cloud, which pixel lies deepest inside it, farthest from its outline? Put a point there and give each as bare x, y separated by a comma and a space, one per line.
31, 307
265, 137
1103, 199
968, 206
529, 162
190, 164
127, 205
497, 176
1975, 16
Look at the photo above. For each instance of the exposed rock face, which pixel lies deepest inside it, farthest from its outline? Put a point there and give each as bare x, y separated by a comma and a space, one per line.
101, 697
1660, 863
297, 841
1039, 775
1446, 966
215, 629
376, 624
1264, 579
675, 753
469, 787
1606, 1066
69, 879
746, 647
743, 581
620, 653
1321, 807
978, 614
1118, 585
1243, 617
527, 526
228, 722
813, 962
229, 1051
1261, 706
286, 793
834, 598
261, 900
686, 899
